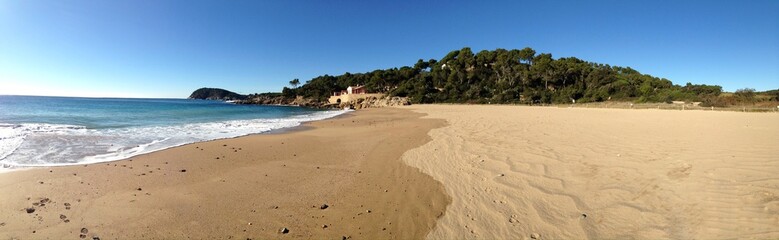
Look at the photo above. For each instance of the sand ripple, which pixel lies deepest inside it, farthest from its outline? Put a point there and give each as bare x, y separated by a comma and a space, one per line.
517, 172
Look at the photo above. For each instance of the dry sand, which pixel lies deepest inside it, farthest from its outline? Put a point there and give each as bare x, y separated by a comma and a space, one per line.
563, 173
247, 187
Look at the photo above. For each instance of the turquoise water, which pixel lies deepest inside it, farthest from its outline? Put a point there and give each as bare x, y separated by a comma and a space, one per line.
47, 131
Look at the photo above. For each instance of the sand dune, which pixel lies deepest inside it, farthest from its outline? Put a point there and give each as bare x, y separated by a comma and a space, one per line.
525, 172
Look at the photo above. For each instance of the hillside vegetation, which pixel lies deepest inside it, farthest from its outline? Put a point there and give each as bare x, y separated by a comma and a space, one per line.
515, 76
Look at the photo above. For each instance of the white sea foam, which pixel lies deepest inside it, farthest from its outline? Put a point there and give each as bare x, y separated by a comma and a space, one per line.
28, 145
12, 135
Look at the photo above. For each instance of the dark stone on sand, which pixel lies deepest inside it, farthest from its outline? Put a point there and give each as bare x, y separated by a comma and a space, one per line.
84, 230
139, 189
30, 210
63, 217
324, 226
584, 215
183, 170
324, 206
283, 230
346, 237
95, 238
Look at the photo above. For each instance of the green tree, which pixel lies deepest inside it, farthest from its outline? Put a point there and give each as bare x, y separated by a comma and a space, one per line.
294, 83
527, 54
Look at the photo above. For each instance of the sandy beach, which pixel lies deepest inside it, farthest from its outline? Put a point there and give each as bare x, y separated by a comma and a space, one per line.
332, 179
429, 171
518, 172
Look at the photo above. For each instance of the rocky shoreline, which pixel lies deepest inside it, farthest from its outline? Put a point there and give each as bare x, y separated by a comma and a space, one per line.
369, 102
299, 101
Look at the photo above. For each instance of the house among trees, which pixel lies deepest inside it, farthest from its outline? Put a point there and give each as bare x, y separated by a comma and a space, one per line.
352, 93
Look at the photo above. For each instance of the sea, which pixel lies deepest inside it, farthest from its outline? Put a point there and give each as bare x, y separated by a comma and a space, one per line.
56, 131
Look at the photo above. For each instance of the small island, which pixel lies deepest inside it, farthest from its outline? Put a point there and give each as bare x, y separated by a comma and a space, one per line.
216, 94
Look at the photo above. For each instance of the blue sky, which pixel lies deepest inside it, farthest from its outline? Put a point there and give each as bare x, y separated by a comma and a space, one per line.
149, 48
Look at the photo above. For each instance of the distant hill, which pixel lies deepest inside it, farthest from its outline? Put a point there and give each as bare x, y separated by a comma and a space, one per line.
215, 94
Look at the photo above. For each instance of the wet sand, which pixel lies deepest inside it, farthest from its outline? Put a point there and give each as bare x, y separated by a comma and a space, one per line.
247, 187
517, 172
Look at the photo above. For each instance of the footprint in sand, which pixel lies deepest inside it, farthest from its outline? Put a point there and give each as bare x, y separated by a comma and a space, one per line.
680, 172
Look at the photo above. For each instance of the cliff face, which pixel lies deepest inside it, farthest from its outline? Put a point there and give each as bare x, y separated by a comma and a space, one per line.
215, 94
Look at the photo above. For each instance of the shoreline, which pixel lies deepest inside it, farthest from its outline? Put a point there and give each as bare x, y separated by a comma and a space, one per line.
300, 127
250, 186
429, 171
